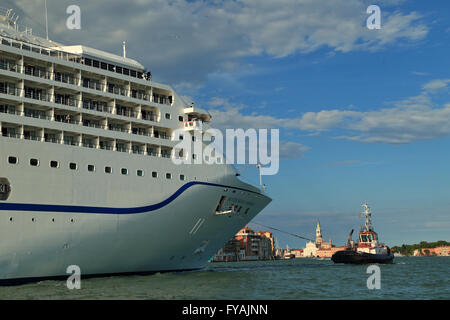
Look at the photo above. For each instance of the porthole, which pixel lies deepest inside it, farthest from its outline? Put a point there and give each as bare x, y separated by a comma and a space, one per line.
168, 176
12, 160
34, 162
108, 170
53, 164
182, 177
155, 174
140, 173
124, 171
91, 168
72, 166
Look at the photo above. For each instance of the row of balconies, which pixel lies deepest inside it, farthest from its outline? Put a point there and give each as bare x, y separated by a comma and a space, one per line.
68, 100
86, 141
79, 119
85, 82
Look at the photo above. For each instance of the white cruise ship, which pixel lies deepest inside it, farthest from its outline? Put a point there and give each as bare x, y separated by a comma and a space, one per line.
86, 175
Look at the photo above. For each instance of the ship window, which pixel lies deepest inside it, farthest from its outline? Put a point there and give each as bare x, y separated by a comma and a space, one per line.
140, 173
126, 71
96, 63
118, 69
104, 65
108, 170
34, 162
168, 116
168, 176
12, 160
180, 118
133, 73
73, 166
220, 204
182, 177
54, 164
155, 174
87, 61
111, 67
124, 171
91, 167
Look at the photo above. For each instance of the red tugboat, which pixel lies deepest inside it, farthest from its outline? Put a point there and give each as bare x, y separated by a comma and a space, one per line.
367, 250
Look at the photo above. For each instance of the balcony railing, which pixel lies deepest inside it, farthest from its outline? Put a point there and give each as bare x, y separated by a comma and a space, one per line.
68, 101
37, 95
65, 78
93, 85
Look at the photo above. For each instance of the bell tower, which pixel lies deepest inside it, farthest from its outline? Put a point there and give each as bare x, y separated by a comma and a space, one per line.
319, 239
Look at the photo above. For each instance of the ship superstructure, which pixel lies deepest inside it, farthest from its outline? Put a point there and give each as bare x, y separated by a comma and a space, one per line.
86, 172
368, 238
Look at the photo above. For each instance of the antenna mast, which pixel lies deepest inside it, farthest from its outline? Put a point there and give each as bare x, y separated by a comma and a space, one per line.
263, 186
46, 19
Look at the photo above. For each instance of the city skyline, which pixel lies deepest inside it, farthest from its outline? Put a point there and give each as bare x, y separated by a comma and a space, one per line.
363, 114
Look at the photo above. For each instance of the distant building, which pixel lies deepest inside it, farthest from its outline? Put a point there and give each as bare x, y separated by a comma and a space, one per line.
310, 250
230, 252
298, 253
443, 251
319, 248
266, 245
247, 245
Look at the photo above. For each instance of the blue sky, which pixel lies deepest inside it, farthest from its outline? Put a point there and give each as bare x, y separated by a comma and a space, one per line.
363, 114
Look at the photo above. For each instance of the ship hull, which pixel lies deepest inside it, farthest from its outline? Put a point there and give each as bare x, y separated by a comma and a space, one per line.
182, 235
353, 257
107, 225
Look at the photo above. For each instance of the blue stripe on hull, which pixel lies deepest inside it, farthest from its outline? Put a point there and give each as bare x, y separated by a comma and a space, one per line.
107, 210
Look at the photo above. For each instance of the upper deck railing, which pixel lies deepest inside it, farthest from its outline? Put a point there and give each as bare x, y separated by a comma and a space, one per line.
70, 57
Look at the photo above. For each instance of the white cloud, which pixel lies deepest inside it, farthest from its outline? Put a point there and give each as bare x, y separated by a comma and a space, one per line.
409, 120
185, 41
292, 150
436, 85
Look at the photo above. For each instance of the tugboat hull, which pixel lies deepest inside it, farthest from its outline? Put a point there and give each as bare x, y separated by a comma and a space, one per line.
354, 257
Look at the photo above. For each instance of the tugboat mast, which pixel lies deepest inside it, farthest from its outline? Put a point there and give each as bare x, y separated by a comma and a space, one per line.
368, 224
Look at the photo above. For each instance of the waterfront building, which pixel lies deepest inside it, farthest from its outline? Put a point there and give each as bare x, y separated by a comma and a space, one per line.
319, 248
310, 250
298, 253
443, 251
247, 245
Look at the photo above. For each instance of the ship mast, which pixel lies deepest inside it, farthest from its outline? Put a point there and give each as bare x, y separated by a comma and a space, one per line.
368, 223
